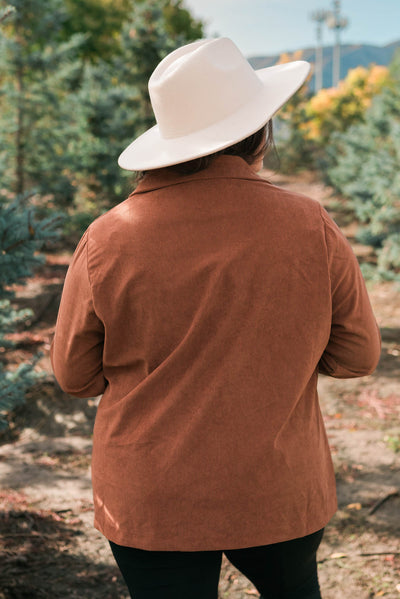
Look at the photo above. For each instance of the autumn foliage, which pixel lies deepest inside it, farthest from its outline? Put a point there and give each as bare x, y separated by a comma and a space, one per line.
336, 108
310, 120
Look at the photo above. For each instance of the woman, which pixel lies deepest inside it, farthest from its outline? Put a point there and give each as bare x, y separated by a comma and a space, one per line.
203, 308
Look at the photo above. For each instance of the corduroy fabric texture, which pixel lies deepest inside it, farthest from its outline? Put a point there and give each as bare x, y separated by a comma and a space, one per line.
203, 308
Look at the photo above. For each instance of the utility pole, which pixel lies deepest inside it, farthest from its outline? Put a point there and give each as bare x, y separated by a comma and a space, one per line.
319, 16
336, 22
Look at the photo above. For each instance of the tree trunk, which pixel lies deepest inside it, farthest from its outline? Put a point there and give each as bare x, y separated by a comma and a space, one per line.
20, 105
20, 142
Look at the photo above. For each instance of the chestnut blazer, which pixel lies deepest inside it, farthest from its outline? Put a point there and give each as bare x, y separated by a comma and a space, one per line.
202, 309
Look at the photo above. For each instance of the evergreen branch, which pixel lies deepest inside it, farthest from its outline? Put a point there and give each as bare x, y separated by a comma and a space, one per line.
13, 246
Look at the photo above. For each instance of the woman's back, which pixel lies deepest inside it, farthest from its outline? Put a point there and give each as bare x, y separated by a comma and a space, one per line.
215, 291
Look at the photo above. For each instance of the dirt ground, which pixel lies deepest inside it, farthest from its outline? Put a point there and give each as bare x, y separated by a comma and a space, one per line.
49, 547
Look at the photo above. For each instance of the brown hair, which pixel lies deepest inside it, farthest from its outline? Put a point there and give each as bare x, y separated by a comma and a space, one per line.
250, 149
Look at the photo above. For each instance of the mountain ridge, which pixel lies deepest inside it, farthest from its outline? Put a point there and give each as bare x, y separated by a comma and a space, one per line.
352, 56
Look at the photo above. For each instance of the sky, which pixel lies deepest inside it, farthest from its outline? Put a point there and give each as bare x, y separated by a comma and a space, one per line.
269, 27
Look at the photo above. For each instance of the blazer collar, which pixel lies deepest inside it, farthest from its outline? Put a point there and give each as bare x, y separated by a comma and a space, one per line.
222, 167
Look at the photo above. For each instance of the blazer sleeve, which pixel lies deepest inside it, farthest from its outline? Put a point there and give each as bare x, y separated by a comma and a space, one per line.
354, 345
77, 348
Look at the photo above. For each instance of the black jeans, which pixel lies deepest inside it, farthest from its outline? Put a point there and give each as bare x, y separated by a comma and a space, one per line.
285, 570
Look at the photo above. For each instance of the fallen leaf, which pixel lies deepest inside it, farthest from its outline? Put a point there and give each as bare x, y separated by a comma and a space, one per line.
338, 555
354, 506
389, 558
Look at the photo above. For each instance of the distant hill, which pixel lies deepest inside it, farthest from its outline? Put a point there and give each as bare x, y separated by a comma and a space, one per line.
351, 56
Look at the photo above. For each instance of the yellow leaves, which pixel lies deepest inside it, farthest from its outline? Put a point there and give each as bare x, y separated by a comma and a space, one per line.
284, 58
338, 107
367, 81
312, 130
297, 55
322, 101
356, 77
378, 74
378, 78
288, 57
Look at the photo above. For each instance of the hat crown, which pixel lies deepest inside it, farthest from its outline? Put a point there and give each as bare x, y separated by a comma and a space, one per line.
199, 85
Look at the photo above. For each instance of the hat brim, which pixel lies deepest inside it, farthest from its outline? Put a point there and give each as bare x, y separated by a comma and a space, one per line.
150, 150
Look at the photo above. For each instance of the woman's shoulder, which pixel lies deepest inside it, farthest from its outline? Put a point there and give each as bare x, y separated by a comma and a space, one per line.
111, 222
289, 204
291, 196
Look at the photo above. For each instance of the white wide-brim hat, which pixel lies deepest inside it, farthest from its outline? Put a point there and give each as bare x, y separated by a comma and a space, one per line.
206, 97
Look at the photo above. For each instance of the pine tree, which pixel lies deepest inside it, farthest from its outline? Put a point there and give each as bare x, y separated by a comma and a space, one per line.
20, 237
364, 168
115, 102
103, 20
38, 125
180, 22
